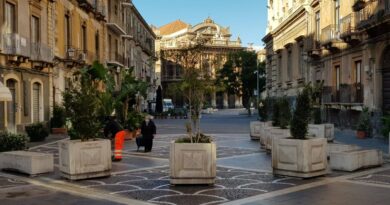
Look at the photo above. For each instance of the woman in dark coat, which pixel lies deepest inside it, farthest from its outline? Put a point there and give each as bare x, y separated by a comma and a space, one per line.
148, 130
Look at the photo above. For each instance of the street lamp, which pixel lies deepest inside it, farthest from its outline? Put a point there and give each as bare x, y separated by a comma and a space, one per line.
257, 91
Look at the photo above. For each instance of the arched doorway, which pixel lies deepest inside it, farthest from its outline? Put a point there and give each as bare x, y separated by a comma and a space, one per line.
36, 103
386, 80
12, 106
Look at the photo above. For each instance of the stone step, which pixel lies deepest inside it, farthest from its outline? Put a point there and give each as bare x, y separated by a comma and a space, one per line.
32, 163
355, 159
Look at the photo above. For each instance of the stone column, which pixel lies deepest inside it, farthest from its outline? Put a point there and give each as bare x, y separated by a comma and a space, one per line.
238, 102
214, 100
225, 100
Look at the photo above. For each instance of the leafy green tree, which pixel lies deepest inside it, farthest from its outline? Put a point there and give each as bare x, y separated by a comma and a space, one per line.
238, 76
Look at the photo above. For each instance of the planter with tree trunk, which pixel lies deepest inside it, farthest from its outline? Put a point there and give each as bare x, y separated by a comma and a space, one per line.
364, 127
85, 155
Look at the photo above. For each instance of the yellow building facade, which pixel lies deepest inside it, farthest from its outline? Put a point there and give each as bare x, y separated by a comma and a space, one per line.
43, 42
341, 43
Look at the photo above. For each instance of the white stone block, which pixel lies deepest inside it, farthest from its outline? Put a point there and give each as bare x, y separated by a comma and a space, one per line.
83, 160
322, 131
300, 158
264, 136
355, 159
256, 128
193, 163
31, 163
334, 147
274, 134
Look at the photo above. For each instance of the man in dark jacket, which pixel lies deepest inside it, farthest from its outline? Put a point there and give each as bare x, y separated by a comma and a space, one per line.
148, 130
117, 134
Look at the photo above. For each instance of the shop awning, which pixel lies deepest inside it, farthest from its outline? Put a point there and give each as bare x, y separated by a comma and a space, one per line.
5, 94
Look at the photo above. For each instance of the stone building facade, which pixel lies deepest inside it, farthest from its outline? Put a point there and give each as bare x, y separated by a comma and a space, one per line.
41, 49
345, 44
218, 46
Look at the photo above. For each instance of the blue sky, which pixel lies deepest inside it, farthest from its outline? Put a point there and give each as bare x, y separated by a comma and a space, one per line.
246, 18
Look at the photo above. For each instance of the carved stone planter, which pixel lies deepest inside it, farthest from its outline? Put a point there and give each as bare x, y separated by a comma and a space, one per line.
257, 129
83, 160
274, 134
322, 131
300, 158
264, 136
192, 163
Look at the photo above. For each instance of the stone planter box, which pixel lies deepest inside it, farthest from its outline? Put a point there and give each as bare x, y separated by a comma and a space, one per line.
83, 160
300, 158
59, 131
322, 131
355, 159
274, 134
334, 147
192, 163
265, 132
257, 129
31, 163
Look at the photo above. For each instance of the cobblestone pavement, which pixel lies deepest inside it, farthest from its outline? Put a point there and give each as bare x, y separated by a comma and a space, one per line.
244, 176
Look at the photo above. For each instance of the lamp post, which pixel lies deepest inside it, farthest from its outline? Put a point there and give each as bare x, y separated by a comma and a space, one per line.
257, 91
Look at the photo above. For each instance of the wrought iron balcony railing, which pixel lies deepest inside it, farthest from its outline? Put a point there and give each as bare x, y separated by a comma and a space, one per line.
15, 44
41, 52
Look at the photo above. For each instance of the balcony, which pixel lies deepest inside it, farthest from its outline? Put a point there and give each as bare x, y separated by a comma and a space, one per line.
87, 5
99, 10
346, 95
116, 24
330, 37
171, 78
348, 31
41, 53
117, 59
76, 57
374, 18
16, 46
313, 48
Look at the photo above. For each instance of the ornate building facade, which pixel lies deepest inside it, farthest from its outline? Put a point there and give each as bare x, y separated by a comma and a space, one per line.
344, 44
41, 49
217, 47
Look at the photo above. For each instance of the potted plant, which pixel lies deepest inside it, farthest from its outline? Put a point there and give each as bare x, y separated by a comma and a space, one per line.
283, 121
37, 132
257, 127
193, 157
364, 124
300, 156
57, 122
386, 125
317, 128
85, 155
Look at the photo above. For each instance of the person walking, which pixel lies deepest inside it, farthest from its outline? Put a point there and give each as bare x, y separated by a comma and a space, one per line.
148, 130
117, 134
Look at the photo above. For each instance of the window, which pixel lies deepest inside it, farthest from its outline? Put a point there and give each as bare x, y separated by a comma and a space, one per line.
97, 46
83, 37
36, 97
338, 77
10, 18
318, 20
67, 32
301, 61
337, 15
280, 68
289, 65
358, 72
35, 34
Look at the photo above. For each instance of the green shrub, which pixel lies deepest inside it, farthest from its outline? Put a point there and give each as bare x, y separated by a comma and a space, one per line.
37, 132
386, 125
275, 113
301, 117
12, 142
284, 113
202, 139
134, 120
263, 109
317, 116
58, 119
364, 123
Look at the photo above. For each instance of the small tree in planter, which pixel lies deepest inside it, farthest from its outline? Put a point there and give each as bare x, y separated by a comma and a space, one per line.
37, 132
364, 127
57, 122
192, 158
275, 113
300, 156
85, 155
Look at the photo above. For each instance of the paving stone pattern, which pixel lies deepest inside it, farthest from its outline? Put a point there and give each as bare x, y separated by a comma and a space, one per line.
376, 178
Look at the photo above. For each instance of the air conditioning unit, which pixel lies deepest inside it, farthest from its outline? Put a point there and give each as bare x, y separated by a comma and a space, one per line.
82, 57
